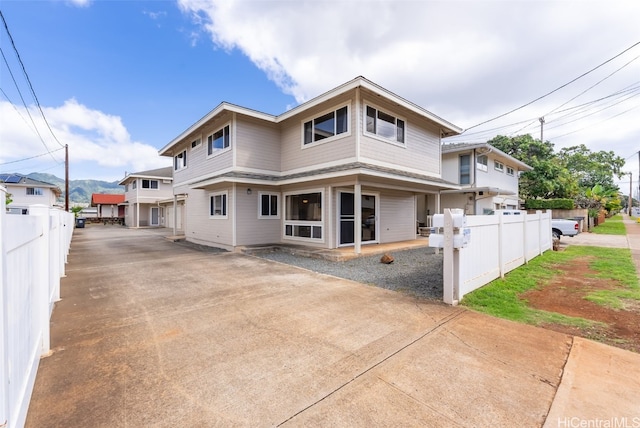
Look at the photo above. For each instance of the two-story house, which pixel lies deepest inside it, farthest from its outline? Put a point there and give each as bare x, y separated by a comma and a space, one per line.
143, 192
488, 178
26, 191
344, 169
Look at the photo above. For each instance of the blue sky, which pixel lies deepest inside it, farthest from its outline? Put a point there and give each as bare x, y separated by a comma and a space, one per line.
117, 80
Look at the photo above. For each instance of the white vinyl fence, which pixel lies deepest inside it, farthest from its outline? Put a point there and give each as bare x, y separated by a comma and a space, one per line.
33, 254
497, 244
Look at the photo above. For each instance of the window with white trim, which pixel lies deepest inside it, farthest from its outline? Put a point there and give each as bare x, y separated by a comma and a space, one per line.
35, 191
180, 161
510, 171
134, 184
465, 169
218, 205
499, 166
149, 184
326, 126
482, 162
195, 143
303, 216
219, 141
268, 205
385, 125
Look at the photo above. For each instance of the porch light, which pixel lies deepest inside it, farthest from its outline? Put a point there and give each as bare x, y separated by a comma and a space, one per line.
249, 191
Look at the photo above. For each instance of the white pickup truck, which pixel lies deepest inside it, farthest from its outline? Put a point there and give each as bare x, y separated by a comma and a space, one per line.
559, 227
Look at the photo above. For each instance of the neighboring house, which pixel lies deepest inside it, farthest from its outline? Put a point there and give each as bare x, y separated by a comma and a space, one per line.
356, 165
487, 176
142, 193
26, 191
108, 206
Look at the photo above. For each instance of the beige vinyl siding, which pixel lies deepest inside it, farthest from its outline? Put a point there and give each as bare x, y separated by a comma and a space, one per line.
340, 150
257, 144
251, 229
422, 143
397, 216
451, 167
202, 229
199, 165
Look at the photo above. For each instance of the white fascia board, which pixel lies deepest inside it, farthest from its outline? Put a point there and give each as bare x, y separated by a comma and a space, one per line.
364, 83
224, 106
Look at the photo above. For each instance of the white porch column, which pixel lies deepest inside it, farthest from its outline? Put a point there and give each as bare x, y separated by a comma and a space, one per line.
175, 215
357, 207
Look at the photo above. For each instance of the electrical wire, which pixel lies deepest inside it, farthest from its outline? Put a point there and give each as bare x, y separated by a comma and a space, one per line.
35, 127
24, 71
555, 90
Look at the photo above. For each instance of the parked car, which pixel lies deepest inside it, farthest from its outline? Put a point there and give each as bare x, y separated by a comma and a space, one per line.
559, 227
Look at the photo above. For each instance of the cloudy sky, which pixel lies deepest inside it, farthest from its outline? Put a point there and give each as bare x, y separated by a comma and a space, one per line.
117, 80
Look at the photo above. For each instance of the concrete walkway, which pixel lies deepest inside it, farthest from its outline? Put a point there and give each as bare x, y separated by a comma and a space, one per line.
155, 333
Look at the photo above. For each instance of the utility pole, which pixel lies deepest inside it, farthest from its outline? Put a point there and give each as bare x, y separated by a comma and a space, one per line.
541, 129
630, 192
66, 177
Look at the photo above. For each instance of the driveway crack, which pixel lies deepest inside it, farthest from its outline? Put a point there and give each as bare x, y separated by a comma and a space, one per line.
437, 326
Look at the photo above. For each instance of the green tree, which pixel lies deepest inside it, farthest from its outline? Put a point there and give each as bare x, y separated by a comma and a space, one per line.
76, 210
549, 178
592, 168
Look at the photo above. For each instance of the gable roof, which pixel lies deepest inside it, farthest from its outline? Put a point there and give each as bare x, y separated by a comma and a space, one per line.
165, 173
106, 199
465, 147
448, 128
24, 181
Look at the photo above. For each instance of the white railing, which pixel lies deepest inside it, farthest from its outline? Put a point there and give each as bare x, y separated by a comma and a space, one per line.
498, 244
33, 251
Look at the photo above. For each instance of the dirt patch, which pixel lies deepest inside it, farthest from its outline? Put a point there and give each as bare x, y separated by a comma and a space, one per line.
565, 294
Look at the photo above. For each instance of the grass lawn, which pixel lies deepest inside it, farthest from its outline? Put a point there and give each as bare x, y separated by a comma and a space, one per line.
612, 226
500, 298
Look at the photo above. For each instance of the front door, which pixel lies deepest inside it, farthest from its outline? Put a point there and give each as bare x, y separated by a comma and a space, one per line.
347, 220
155, 216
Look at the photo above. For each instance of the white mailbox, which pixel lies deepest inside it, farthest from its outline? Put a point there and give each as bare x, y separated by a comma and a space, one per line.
457, 215
436, 240
461, 239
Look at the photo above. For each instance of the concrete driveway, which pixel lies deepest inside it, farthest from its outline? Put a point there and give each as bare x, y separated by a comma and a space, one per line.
152, 333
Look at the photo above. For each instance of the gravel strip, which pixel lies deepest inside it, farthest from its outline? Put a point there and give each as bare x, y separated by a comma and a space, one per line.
417, 272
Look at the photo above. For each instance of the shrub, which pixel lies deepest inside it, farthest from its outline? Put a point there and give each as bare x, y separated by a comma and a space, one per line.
549, 204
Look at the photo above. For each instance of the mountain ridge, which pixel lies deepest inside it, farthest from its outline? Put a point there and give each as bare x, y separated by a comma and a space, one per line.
80, 191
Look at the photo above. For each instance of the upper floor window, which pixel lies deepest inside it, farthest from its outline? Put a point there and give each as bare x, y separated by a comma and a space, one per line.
509, 170
499, 166
180, 161
35, 191
149, 184
465, 169
385, 125
195, 143
268, 205
482, 162
134, 184
218, 205
326, 126
218, 141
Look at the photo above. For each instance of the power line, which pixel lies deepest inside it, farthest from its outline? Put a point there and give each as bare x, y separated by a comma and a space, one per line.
35, 127
553, 91
24, 71
33, 157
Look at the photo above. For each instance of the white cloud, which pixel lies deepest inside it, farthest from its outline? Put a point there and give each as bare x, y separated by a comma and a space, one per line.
466, 61
100, 146
79, 3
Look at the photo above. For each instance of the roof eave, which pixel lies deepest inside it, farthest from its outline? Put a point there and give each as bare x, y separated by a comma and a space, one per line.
223, 106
